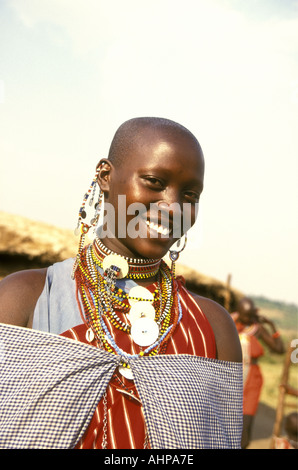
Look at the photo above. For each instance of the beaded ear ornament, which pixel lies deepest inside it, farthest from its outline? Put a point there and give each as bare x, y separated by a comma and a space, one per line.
83, 227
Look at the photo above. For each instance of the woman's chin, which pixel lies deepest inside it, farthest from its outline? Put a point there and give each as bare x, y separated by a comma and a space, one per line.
148, 248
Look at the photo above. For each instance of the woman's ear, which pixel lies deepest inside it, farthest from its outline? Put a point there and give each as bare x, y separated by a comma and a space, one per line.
104, 168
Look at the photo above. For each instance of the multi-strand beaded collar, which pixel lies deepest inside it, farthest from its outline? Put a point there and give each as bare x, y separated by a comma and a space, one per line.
150, 317
138, 268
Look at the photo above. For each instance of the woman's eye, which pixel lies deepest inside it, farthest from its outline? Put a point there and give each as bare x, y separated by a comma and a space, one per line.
154, 182
192, 196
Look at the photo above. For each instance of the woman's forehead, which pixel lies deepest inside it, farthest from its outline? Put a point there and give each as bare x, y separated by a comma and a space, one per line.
165, 151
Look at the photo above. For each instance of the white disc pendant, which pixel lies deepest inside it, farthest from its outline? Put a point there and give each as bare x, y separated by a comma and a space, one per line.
118, 261
138, 293
126, 372
144, 331
141, 310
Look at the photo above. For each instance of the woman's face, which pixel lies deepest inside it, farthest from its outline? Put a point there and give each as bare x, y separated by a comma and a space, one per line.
154, 192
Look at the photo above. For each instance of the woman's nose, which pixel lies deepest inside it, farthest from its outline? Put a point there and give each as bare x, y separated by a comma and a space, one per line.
170, 207
171, 196
170, 215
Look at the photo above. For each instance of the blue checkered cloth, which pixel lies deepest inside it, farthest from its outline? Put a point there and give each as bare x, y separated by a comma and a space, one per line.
190, 402
50, 386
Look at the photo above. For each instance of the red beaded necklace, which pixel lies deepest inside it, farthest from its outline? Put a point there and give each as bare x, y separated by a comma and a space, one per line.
138, 268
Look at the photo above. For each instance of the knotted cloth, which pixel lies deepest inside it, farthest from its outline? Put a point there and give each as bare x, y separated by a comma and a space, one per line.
50, 386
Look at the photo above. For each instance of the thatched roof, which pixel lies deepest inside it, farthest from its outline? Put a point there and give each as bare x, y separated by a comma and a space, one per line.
27, 244
210, 287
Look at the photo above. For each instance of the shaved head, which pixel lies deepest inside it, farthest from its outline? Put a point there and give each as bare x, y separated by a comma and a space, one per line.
245, 304
131, 132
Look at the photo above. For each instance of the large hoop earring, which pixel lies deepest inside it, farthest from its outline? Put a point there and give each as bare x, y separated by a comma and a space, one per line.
175, 251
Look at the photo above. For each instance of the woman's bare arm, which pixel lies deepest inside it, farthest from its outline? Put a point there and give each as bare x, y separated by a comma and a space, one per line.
19, 293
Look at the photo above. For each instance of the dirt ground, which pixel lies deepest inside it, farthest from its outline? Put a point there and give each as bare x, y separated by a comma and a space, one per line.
263, 427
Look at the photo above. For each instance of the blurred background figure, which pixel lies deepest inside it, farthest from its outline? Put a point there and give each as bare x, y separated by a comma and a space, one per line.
291, 428
252, 329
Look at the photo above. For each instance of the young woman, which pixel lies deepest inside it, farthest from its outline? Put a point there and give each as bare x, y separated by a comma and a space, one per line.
178, 379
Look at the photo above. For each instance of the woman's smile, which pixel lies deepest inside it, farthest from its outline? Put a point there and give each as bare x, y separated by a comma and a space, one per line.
158, 229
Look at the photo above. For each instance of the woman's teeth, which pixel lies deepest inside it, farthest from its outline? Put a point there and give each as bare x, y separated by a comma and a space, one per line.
158, 228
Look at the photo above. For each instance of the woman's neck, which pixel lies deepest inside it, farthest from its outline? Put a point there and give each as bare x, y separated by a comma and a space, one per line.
143, 271
116, 247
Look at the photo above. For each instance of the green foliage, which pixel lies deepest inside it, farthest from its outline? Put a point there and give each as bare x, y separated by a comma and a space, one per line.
263, 302
284, 314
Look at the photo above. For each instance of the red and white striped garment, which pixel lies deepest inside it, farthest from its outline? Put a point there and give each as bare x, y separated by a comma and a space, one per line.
125, 419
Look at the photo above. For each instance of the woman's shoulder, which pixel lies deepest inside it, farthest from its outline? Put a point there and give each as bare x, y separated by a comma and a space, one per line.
226, 335
19, 292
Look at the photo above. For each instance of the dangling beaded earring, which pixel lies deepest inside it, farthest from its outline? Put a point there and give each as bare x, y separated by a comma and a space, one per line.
82, 226
175, 252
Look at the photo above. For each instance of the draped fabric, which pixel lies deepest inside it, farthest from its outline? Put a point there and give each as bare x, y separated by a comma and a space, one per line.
50, 386
58, 393
190, 402
126, 427
252, 350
